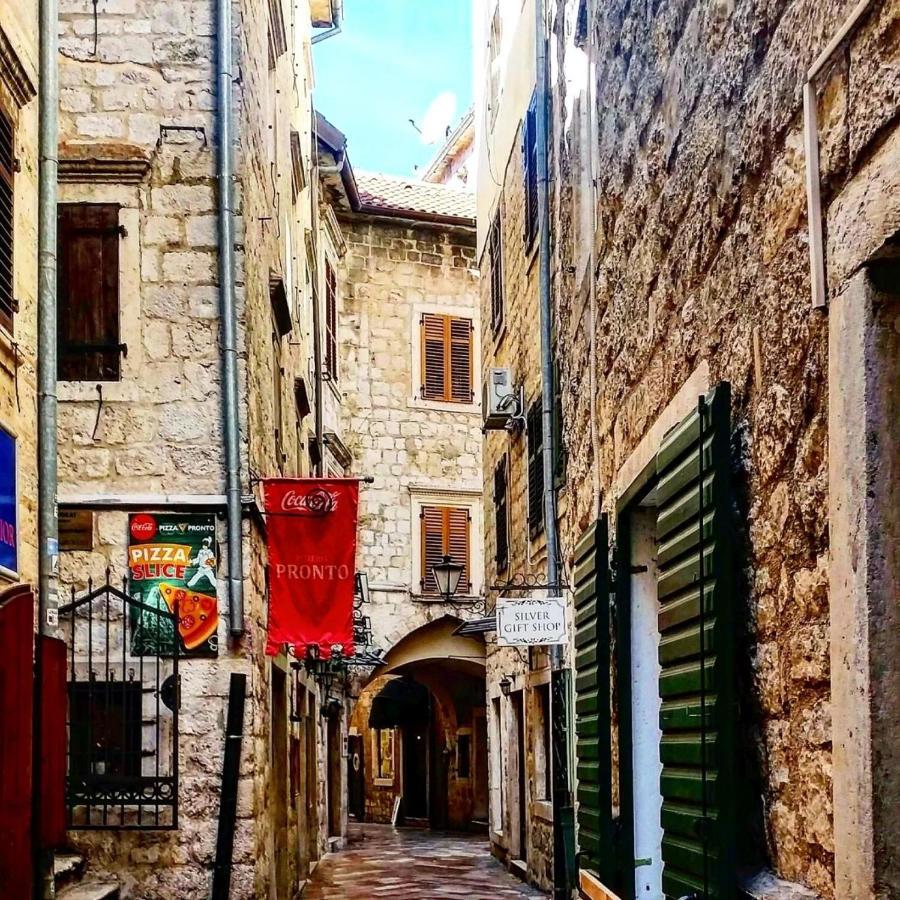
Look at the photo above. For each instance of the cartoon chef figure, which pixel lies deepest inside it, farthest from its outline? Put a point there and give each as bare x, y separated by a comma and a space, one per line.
205, 561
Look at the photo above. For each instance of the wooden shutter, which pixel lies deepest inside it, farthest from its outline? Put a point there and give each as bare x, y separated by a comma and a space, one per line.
445, 532
535, 469
460, 360
496, 258
7, 219
529, 151
331, 365
446, 358
695, 536
593, 752
501, 515
88, 292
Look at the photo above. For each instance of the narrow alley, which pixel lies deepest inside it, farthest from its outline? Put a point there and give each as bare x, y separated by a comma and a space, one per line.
412, 864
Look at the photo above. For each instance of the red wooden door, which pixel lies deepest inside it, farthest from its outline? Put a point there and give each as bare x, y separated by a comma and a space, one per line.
16, 702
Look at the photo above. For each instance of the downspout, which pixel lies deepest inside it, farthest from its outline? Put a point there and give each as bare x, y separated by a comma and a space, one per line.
317, 317
48, 524
337, 16
228, 312
563, 813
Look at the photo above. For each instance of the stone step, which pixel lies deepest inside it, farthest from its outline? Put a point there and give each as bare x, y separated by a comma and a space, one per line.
66, 866
90, 890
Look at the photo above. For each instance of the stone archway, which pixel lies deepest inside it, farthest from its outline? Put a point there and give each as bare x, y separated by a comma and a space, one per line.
434, 761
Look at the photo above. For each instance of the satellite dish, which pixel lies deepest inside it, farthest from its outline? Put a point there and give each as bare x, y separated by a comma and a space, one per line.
438, 117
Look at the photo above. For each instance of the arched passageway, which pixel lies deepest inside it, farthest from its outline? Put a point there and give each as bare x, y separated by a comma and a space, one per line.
418, 739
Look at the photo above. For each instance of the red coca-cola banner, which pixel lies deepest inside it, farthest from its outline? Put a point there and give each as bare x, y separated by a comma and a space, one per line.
311, 525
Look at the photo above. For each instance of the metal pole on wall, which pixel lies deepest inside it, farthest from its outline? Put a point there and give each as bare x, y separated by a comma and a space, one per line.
563, 811
48, 524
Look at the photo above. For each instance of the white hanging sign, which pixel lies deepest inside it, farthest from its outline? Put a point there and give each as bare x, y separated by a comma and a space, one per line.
531, 621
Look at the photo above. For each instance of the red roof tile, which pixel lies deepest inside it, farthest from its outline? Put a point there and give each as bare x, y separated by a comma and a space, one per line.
391, 194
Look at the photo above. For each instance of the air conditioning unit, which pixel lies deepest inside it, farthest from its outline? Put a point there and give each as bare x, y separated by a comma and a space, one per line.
500, 399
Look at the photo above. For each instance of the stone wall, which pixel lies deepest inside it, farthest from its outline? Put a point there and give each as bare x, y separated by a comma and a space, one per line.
702, 257
414, 450
138, 90
18, 373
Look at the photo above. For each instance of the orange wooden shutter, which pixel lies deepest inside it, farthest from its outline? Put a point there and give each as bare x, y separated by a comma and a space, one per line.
460, 360
445, 532
434, 367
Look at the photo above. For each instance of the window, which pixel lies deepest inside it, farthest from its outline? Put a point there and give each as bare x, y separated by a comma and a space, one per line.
88, 292
331, 367
446, 358
298, 170
494, 45
529, 162
543, 768
496, 261
7, 178
105, 728
534, 427
277, 33
501, 515
463, 755
384, 754
445, 532
277, 389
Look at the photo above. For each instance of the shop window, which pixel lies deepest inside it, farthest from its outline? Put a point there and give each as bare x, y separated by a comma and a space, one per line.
445, 532
384, 754
88, 292
447, 358
535, 430
7, 193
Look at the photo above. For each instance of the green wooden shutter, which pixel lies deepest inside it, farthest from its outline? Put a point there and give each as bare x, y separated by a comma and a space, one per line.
696, 651
592, 700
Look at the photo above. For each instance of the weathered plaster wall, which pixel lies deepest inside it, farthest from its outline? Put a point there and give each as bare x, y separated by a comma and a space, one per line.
702, 256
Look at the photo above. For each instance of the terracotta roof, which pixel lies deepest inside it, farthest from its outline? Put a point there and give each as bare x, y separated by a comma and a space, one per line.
389, 194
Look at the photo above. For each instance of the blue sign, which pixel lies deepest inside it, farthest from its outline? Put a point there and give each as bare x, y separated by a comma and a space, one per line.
9, 543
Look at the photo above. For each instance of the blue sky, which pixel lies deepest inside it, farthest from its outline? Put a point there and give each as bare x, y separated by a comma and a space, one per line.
392, 59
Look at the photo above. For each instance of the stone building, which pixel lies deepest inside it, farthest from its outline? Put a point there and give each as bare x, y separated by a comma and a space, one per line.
515, 541
683, 231
142, 447
407, 387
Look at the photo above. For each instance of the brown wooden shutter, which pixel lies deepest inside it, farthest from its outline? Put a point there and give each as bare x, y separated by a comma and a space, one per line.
458, 543
434, 365
445, 532
501, 516
88, 292
496, 258
460, 360
331, 367
535, 469
7, 217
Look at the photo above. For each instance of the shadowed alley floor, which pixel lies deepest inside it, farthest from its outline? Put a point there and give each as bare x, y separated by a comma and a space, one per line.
382, 861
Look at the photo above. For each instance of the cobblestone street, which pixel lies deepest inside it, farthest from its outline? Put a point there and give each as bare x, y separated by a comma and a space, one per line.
382, 861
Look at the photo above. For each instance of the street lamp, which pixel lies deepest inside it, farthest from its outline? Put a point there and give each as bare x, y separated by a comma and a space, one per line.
447, 574
505, 685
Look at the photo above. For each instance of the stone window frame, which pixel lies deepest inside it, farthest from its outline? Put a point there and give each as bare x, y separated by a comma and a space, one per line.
470, 499
330, 256
414, 399
127, 198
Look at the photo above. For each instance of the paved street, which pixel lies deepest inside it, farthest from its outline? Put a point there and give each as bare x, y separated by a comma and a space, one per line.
382, 861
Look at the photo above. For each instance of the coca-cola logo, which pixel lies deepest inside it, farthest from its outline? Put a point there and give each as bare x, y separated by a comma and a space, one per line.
143, 527
317, 502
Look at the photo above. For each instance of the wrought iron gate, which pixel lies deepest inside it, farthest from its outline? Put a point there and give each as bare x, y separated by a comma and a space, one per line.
123, 686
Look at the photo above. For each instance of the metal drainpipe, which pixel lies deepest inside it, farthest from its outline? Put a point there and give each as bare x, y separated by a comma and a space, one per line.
48, 523
228, 313
337, 16
563, 818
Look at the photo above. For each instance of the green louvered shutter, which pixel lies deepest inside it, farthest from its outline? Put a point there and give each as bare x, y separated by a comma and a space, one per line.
592, 686
697, 636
